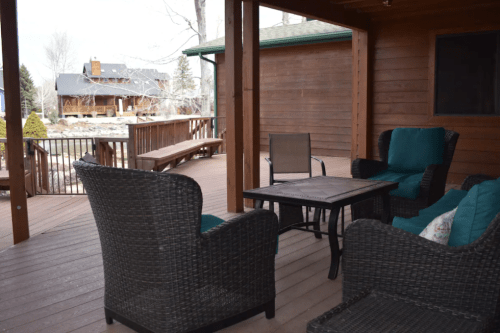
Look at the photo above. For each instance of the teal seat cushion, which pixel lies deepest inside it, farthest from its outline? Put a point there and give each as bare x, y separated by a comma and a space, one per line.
475, 212
417, 224
409, 183
209, 221
413, 149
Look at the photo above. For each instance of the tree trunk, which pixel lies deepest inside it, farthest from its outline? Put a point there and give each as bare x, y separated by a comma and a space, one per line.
205, 70
286, 18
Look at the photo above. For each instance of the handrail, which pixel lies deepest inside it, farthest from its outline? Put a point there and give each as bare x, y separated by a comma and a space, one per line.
148, 136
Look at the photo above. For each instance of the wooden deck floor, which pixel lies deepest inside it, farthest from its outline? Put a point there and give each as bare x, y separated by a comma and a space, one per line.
54, 281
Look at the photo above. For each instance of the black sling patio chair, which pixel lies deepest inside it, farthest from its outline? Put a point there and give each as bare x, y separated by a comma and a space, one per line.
161, 272
291, 154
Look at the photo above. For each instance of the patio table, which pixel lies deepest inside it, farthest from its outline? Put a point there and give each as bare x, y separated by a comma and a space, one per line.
323, 192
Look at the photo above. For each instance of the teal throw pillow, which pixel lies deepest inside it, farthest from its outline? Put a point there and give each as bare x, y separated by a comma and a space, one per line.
413, 149
209, 221
475, 212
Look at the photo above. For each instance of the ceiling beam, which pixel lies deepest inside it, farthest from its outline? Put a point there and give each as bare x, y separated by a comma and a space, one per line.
321, 10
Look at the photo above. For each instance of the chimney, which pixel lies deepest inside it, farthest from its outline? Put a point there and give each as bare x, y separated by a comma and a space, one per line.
96, 67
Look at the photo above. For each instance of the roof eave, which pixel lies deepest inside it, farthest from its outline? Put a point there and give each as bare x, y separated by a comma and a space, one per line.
337, 36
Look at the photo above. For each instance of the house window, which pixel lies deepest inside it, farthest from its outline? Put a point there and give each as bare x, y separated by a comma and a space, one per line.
468, 74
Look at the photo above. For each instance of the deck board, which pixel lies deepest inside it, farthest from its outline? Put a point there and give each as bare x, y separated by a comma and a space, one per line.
54, 281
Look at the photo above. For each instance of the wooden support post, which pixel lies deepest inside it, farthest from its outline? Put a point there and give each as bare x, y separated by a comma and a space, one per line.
361, 94
251, 97
234, 106
10, 53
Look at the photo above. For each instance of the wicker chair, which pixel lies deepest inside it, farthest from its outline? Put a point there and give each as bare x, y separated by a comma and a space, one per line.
431, 188
405, 268
161, 273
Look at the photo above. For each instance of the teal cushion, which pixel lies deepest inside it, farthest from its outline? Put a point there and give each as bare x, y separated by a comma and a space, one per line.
209, 221
413, 149
475, 212
409, 183
417, 224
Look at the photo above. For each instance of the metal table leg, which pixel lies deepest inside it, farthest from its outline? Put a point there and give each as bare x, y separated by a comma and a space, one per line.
334, 243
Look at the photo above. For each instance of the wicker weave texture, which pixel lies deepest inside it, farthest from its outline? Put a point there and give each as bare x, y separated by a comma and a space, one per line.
377, 312
431, 188
160, 271
465, 278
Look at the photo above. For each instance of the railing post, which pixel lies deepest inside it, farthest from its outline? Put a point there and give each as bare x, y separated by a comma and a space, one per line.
131, 147
97, 145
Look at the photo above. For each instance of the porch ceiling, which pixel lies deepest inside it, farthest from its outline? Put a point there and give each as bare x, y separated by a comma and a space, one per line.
356, 13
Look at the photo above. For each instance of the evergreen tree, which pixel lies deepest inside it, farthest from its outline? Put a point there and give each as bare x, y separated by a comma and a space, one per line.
28, 91
34, 127
183, 78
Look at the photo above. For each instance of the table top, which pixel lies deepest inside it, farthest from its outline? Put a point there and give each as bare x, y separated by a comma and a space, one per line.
322, 191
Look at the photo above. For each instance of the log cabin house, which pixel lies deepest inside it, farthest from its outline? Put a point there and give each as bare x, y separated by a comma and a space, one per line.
107, 89
305, 84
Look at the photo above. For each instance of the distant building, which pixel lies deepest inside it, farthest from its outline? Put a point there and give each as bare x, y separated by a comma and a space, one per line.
107, 89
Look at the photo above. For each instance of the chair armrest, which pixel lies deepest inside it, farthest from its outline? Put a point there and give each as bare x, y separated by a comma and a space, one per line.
362, 168
323, 169
236, 258
249, 237
271, 172
385, 258
474, 180
433, 183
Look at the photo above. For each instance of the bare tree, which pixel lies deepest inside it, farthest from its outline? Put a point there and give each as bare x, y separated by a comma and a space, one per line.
46, 97
286, 18
59, 53
205, 71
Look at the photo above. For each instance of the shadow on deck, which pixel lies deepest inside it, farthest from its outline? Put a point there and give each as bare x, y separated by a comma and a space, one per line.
54, 281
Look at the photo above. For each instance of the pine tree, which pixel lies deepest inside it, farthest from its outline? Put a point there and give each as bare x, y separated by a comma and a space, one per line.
28, 90
34, 127
183, 78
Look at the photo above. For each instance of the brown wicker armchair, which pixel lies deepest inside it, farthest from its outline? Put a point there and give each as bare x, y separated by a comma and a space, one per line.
162, 274
431, 188
418, 283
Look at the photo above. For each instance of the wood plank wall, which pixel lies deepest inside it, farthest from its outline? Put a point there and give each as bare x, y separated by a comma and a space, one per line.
304, 89
402, 95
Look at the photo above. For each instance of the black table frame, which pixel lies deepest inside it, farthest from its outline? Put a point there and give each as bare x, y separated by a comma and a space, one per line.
374, 188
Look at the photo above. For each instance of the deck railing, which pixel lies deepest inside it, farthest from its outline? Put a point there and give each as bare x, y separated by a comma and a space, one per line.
35, 163
146, 137
62, 152
51, 159
88, 109
111, 152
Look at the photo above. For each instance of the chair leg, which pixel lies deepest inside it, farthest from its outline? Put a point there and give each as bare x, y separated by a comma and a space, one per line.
270, 309
107, 315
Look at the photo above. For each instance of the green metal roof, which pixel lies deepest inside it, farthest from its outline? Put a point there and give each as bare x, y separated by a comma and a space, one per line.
297, 34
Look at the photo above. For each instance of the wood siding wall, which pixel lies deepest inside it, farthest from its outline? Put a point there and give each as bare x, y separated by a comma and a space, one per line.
403, 92
303, 89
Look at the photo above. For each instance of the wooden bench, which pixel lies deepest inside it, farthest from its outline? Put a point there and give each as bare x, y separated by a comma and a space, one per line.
158, 160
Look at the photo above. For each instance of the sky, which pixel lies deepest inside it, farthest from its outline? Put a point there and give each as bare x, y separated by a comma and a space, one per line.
135, 32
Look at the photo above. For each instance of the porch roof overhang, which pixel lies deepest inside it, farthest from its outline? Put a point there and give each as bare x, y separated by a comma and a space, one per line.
336, 36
